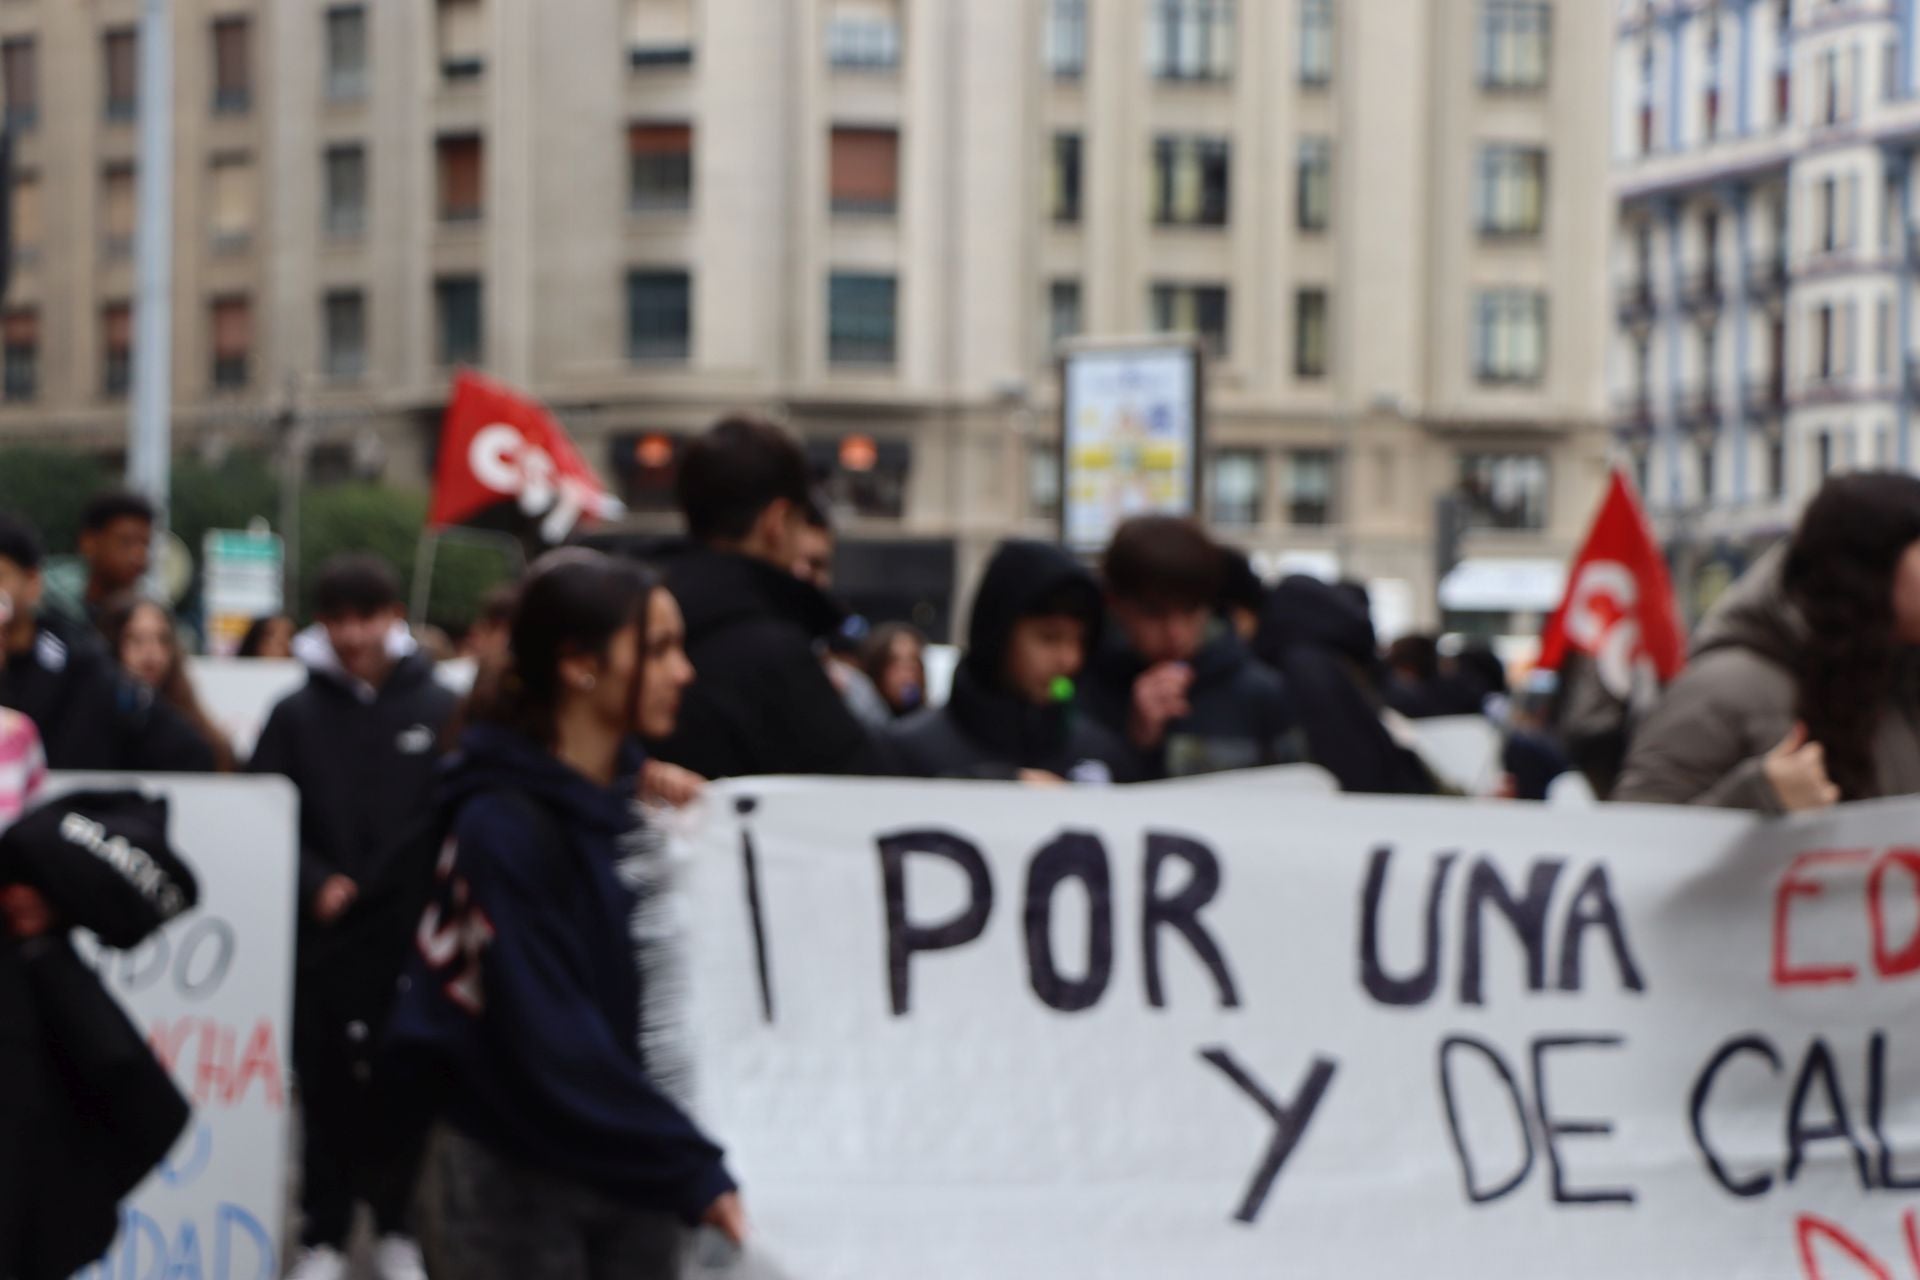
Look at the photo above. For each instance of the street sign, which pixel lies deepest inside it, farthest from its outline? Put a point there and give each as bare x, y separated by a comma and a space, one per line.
245, 577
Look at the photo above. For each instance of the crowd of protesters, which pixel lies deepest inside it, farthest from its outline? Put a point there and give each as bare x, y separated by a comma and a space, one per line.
472, 870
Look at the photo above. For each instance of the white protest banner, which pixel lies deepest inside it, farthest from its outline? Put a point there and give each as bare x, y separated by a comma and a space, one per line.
213, 991
952, 1030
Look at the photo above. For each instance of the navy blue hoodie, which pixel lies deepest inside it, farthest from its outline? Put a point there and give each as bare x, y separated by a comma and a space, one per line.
523, 1005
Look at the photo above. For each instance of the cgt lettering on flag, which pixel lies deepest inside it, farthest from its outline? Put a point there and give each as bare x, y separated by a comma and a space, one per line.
1619, 609
499, 447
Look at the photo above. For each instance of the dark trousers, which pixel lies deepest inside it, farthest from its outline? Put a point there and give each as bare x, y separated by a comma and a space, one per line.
348, 1156
495, 1219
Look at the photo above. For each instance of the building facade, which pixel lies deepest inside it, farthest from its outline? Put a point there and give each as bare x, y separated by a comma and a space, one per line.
1762, 261
877, 219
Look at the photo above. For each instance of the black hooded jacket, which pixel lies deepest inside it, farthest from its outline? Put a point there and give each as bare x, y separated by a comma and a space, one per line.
760, 703
1322, 643
90, 714
1242, 716
985, 731
363, 761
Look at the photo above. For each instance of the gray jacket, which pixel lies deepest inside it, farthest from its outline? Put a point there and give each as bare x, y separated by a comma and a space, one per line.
1706, 741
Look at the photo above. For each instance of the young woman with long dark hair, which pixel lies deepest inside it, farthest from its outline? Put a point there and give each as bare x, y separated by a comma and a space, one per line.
1803, 688
560, 1153
142, 637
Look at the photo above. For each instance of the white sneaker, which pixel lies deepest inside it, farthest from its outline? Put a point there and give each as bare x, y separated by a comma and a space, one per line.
321, 1262
398, 1258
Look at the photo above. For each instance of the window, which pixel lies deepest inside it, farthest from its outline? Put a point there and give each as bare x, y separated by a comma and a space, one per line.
1063, 312
1890, 70
462, 178
20, 72
1710, 103
28, 221
1316, 43
463, 40
659, 315
1504, 490
1515, 42
1064, 205
659, 166
860, 318
1200, 310
345, 317
863, 42
1315, 184
1704, 466
346, 190
347, 53
20, 336
233, 201
457, 305
1883, 339
1238, 486
232, 67
1191, 181
1776, 467
116, 349
1310, 336
1830, 87
117, 210
1823, 326
1823, 454
1310, 487
1511, 195
1510, 336
1709, 361
1829, 215
1646, 96
1783, 65
1190, 39
232, 342
122, 73
865, 170
1067, 38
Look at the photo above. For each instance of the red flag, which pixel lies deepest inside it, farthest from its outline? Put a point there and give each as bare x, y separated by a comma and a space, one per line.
498, 446
1619, 608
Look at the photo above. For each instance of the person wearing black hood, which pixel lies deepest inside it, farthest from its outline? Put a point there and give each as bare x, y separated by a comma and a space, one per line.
561, 1151
1318, 638
60, 675
361, 742
762, 702
1171, 678
1012, 713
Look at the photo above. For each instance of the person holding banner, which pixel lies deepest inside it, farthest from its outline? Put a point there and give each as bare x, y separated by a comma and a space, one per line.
1012, 713
559, 1155
1802, 691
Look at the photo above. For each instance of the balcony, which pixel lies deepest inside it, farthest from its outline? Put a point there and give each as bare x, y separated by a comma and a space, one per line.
1634, 299
1634, 416
1700, 407
1767, 278
1765, 398
1702, 291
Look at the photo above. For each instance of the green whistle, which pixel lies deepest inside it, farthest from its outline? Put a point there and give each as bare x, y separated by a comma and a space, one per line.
1061, 689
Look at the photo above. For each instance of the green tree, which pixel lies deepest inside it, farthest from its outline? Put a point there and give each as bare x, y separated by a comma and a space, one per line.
49, 487
387, 522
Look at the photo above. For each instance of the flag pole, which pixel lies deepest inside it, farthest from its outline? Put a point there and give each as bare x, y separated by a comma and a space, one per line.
424, 557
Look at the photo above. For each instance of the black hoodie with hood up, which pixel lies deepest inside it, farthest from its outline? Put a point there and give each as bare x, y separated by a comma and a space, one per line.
760, 702
987, 731
1322, 642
